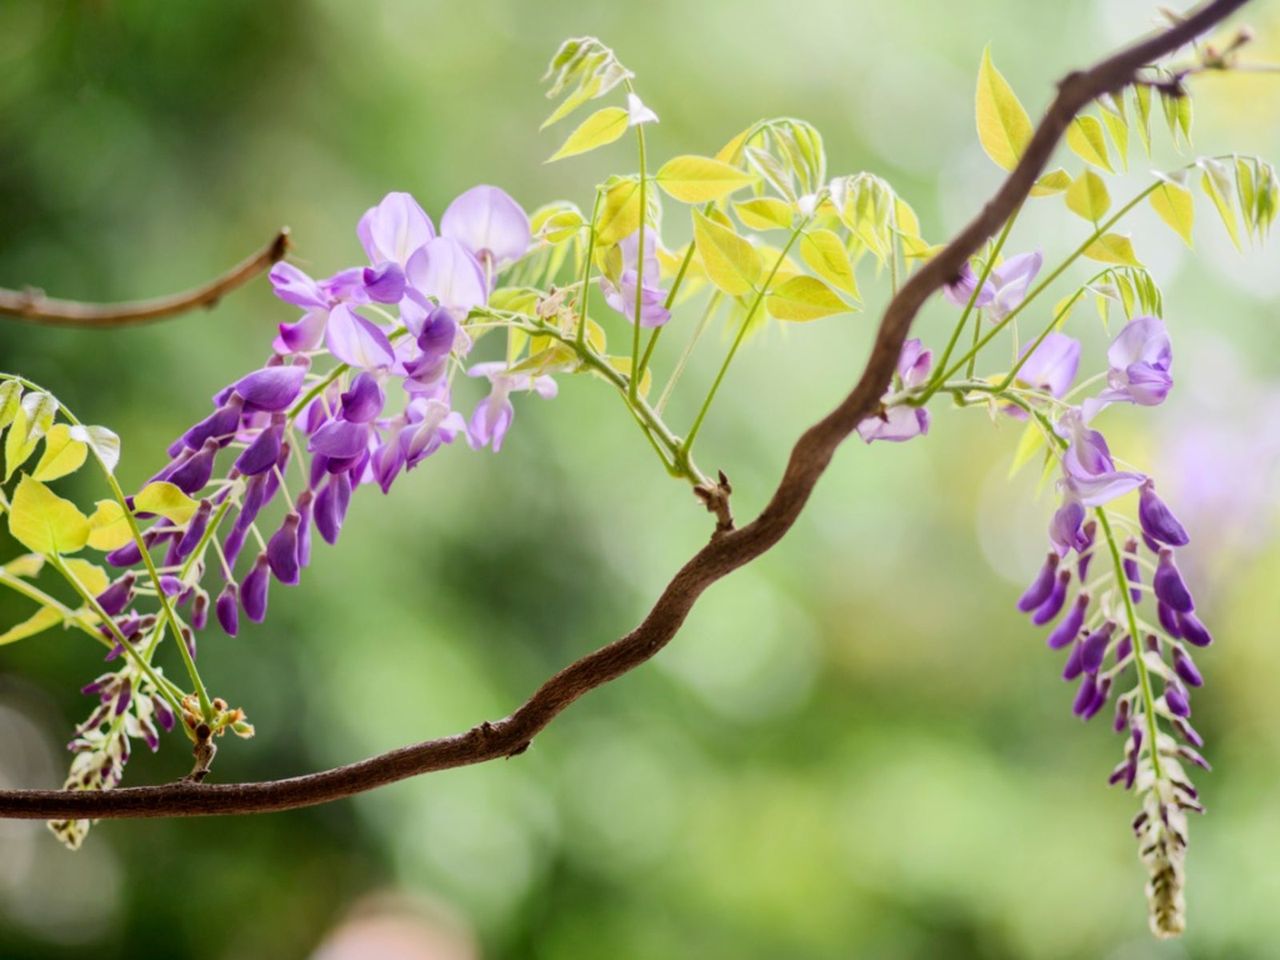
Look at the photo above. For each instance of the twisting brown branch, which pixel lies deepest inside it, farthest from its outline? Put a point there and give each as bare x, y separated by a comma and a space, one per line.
726, 552
34, 307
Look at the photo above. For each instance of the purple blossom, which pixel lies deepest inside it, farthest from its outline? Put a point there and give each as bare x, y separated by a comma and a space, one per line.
445, 270
1089, 473
902, 422
1157, 520
960, 289
272, 388
1010, 282
490, 225
621, 296
394, 230
1140, 358
493, 415
1052, 365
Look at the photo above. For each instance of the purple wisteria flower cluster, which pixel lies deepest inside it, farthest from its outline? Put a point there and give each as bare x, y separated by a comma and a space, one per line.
1110, 591
294, 440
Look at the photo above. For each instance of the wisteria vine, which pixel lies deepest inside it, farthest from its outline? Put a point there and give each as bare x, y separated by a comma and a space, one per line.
360, 388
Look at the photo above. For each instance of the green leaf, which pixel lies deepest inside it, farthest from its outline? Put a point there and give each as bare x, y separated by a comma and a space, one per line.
89, 575
1088, 197
1029, 444
1172, 201
33, 420
1246, 193
694, 179
10, 401
825, 254
1117, 124
1142, 97
1055, 181
27, 565
732, 264
604, 126
1216, 184
1177, 114
1004, 129
165, 499
62, 455
44, 522
38, 622
805, 298
1113, 248
103, 442
765, 213
1087, 141
619, 213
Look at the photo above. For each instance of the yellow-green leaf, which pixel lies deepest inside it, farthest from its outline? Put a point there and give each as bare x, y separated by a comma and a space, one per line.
108, 527
1030, 443
41, 620
103, 442
1172, 201
1055, 181
89, 575
732, 151
1142, 97
1113, 248
1004, 129
1087, 141
804, 298
825, 254
32, 420
764, 213
165, 499
604, 126
27, 565
10, 401
732, 264
42, 521
694, 179
1216, 183
1088, 197
620, 212
62, 455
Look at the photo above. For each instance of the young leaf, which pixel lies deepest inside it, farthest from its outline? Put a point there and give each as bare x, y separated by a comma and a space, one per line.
1029, 444
103, 442
1004, 129
764, 213
620, 212
731, 152
1088, 197
604, 126
1055, 181
38, 622
1117, 124
33, 419
1113, 248
165, 499
804, 298
10, 401
1142, 97
732, 264
27, 565
44, 522
89, 575
1172, 201
1216, 184
108, 527
1088, 142
62, 455
693, 179
825, 254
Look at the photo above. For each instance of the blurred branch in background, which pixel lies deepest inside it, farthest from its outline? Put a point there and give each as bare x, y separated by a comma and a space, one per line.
34, 307
726, 552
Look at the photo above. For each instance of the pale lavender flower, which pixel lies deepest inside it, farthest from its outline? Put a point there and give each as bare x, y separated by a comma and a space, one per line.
1089, 473
445, 270
394, 229
1010, 282
902, 422
492, 417
1051, 366
960, 289
622, 295
1140, 358
490, 225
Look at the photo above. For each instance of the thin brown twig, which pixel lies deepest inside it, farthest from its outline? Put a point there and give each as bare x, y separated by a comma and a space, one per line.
725, 552
34, 307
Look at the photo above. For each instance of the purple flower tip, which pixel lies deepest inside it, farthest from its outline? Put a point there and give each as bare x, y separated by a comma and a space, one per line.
1158, 521
1193, 631
1053, 604
253, 594
1170, 588
1040, 588
272, 388
1066, 631
227, 609
282, 551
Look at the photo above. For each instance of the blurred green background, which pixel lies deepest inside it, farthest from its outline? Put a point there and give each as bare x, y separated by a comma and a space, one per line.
856, 748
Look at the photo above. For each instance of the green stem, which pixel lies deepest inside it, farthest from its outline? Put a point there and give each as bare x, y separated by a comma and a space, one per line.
1040, 287
586, 270
713, 303
973, 297
634, 387
1144, 678
737, 340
